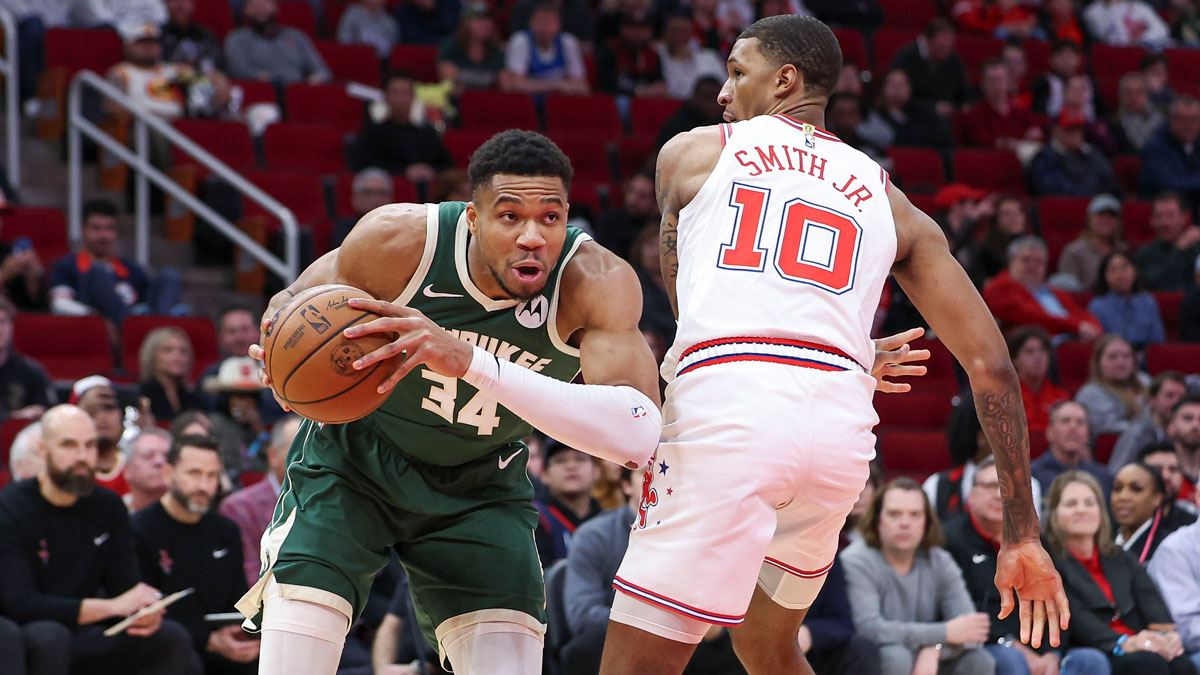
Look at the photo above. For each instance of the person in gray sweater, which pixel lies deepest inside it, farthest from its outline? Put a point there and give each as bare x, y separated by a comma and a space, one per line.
264, 50
908, 595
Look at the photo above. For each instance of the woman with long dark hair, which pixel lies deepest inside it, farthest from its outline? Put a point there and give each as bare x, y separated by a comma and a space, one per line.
1139, 505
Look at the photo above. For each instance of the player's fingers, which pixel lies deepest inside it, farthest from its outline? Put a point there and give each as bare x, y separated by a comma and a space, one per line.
382, 307
1052, 622
256, 352
892, 387
386, 324
897, 370
916, 355
892, 342
1006, 603
390, 350
1026, 612
1039, 623
412, 359
1064, 608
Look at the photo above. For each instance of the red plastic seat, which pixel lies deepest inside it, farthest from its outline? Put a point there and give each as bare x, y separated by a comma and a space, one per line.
854, 48
255, 91
248, 478
325, 104
312, 147
1135, 221
229, 141
403, 191
1103, 447
975, 50
461, 144
589, 194
494, 111
595, 115
46, 228
633, 155
298, 14
916, 454
1173, 356
214, 15
917, 169
887, 42
909, 14
919, 410
942, 375
419, 60
68, 347
588, 154
1037, 57
8, 433
1168, 307
1109, 61
352, 63
991, 170
200, 331
1127, 168
78, 48
1184, 68
649, 114
303, 193
1062, 216
1073, 364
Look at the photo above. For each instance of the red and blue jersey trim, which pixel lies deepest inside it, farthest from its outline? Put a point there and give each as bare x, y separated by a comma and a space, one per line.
674, 605
726, 132
769, 350
796, 571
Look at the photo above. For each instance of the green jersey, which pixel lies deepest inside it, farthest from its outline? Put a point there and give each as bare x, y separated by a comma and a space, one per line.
443, 420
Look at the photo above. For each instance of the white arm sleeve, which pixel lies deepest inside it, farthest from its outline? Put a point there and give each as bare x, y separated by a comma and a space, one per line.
616, 423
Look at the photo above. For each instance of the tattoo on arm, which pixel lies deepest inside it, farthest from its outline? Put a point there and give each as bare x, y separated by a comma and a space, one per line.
668, 233
1002, 416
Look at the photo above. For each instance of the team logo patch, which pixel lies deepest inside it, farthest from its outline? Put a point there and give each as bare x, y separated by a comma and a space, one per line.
533, 313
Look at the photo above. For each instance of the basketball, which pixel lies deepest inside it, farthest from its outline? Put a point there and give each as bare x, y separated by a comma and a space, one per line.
310, 362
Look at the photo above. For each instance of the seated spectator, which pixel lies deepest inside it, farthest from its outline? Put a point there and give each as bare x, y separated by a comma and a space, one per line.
543, 59
1079, 101
1161, 457
1124, 23
399, 648
453, 185
906, 593
96, 280
961, 211
1185, 24
1184, 431
27, 390
96, 396
68, 563
1030, 348
153, 85
368, 22
1189, 309
1068, 449
1167, 263
701, 109
1003, 19
1166, 390
850, 532
683, 61
1059, 20
716, 23
165, 365
1010, 221
1019, 295
569, 475
827, 636
1154, 68
145, 457
1113, 395
237, 329
995, 122
1099, 576
1123, 307
896, 119
575, 16
1066, 59
263, 50
251, 508
973, 538
185, 41
1135, 119
22, 277
1176, 572
936, 72
1015, 61
850, 80
182, 543
239, 390
1141, 510
843, 117
1171, 157
473, 58
1080, 260
617, 228
657, 316
99, 13
397, 144
27, 456
372, 188
627, 64
1068, 165
610, 13
427, 22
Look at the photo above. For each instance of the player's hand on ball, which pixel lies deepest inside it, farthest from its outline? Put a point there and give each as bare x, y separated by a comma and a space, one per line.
1027, 569
892, 354
418, 341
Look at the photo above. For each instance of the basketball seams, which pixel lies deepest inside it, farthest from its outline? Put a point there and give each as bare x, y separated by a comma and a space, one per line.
278, 321
336, 333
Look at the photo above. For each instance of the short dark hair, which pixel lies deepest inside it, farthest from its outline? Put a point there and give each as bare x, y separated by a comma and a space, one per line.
1155, 477
1155, 448
1152, 59
190, 441
186, 418
231, 309
1063, 45
1190, 399
842, 96
869, 525
99, 207
1102, 287
397, 74
936, 26
962, 433
804, 42
1018, 336
1174, 196
1164, 377
991, 63
520, 153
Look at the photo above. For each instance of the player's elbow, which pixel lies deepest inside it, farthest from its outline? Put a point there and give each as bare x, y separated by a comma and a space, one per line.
991, 373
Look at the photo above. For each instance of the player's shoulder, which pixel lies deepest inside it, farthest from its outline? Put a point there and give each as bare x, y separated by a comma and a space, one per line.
596, 284
594, 265
389, 229
685, 143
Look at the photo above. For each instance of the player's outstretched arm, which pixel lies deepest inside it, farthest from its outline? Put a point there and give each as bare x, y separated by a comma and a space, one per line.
947, 299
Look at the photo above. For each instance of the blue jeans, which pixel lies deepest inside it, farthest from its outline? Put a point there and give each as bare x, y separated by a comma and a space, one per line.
98, 289
1078, 661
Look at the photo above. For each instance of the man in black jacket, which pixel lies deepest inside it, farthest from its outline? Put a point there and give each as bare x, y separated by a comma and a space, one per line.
827, 635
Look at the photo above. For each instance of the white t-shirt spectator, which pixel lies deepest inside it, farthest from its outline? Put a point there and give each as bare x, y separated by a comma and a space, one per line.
681, 74
359, 25
119, 12
1125, 22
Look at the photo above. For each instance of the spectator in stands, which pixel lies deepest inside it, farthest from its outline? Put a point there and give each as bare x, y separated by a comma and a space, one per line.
96, 396
1019, 295
1078, 101
1015, 61
850, 80
372, 188
843, 117
543, 59
850, 532
68, 562
27, 456
238, 387
973, 539
97, 280
1166, 390
1184, 431
153, 85
22, 277
185, 41
1166, 263
1030, 349
683, 61
1080, 260
1124, 23
906, 593
995, 122
165, 366
145, 457
1113, 395
1066, 59
1176, 572
897, 119
617, 228
937, 73
961, 211
473, 58
27, 391
251, 508
1068, 164
700, 110
1154, 68
1171, 158
398, 145
368, 22
1060, 21
1068, 449
827, 636
263, 50
1003, 19
576, 16
427, 22
98, 13
1161, 457
1141, 507
1189, 309
399, 648
627, 64
1011, 220
657, 316
452, 185
716, 23
1123, 307
1098, 577
1135, 119
237, 329
568, 475
182, 543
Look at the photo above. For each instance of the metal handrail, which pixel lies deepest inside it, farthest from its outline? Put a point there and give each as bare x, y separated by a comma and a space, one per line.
139, 161
12, 95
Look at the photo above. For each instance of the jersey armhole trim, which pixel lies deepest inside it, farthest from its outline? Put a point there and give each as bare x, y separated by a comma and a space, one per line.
726, 132
885, 179
431, 237
552, 321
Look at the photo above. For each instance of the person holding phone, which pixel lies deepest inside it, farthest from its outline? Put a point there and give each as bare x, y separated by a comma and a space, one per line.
22, 275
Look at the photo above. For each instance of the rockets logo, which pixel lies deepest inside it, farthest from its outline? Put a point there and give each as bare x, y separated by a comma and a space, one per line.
164, 561
649, 496
44, 551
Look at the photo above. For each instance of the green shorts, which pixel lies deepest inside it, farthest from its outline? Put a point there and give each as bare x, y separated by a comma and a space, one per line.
463, 533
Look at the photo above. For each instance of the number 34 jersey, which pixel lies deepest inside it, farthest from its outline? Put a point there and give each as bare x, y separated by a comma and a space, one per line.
791, 236
443, 420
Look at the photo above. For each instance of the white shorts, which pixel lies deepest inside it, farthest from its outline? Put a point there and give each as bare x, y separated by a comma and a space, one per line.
758, 466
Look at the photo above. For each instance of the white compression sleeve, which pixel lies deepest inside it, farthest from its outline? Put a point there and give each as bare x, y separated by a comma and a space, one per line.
299, 636
616, 423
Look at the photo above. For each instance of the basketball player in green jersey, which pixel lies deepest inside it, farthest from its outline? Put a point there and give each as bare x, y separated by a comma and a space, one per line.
497, 305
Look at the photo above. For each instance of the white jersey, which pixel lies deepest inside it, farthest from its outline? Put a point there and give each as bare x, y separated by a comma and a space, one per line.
791, 238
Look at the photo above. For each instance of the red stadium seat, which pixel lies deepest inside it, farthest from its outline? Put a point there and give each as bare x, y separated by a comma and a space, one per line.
975, 50
917, 169
214, 15
403, 191
495, 111
916, 454
854, 48
908, 14
1073, 364
1168, 307
68, 347
326, 104
248, 478
77, 48
1103, 446
351, 63
1135, 221
927, 411
1184, 68
298, 14
887, 42
420, 60
588, 193
595, 115
1037, 58
45, 227
8, 433
296, 146
1127, 168
633, 155
200, 331
254, 91
461, 144
991, 170
1062, 216
942, 375
1111, 62
923, 201
649, 114
303, 193
588, 154
1173, 356
228, 141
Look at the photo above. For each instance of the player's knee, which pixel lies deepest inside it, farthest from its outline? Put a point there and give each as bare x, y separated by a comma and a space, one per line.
302, 618
492, 647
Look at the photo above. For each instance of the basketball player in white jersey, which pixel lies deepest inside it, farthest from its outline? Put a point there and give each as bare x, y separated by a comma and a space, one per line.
776, 241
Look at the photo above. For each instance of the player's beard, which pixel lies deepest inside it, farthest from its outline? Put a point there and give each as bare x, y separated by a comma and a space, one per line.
185, 500
70, 481
518, 295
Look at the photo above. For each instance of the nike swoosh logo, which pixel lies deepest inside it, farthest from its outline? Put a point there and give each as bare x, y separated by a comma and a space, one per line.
101, 539
504, 462
220, 553
430, 293
978, 558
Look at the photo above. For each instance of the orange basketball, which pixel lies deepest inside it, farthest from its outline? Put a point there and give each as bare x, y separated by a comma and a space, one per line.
310, 362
